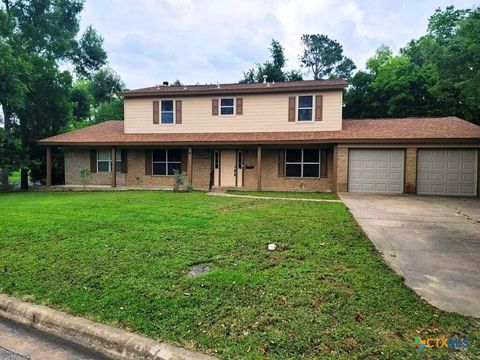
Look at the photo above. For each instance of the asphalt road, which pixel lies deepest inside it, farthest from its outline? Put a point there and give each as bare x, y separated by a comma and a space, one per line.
18, 342
8, 355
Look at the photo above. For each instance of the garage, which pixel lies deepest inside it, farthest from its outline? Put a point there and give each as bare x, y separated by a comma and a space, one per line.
376, 170
447, 172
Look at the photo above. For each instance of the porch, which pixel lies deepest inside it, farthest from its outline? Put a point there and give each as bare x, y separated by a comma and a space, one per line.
259, 167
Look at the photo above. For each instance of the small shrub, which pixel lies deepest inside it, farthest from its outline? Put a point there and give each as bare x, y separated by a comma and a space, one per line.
85, 177
179, 182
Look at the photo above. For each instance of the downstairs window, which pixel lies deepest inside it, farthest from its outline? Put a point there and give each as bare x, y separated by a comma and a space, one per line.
165, 161
302, 162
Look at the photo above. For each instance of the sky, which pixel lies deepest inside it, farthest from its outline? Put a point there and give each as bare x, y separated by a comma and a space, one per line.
203, 41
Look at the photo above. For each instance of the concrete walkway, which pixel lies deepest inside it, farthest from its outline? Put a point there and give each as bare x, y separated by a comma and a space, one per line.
433, 242
18, 342
271, 197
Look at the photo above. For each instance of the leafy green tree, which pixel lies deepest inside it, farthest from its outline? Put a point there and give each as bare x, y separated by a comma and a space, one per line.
272, 70
110, 110
105, 84
82, 99
89, 55
435, 75
39, 35
324, 57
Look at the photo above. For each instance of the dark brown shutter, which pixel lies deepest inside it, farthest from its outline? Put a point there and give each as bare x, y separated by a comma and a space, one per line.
318, 108
124, 162
93, 161
156, 116
281, 163
214, 107
291, 108
323, 163
178, 111
148, 162
239, 106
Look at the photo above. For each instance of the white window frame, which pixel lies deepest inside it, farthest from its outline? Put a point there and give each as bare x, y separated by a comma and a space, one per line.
166, 162
216, 159
173, 111
297, 105
301, 163
240, 159
118, 158
234, 106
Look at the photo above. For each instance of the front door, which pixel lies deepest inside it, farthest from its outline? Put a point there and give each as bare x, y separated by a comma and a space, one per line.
227, 168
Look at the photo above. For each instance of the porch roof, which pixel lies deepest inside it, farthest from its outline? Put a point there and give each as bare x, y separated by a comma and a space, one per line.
446, 129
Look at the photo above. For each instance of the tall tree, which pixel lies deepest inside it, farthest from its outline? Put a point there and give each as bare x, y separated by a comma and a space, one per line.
42, 34
272, 70
324, 57
435, 75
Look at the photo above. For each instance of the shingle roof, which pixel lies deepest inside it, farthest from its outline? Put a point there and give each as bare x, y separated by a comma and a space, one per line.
369, 130
236, 88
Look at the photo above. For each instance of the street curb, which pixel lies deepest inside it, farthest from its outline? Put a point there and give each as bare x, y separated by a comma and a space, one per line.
111, 342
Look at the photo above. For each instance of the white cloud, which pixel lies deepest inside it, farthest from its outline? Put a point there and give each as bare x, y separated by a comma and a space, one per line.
149, 41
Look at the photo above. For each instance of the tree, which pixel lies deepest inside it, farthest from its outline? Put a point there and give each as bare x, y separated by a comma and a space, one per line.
37, 36
105, 84
272, 70
82, 99
89, 55
450, 52
111, 110
324, 57
435, 75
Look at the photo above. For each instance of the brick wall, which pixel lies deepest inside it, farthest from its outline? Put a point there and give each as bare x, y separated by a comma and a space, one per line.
202, 164
78, 159
272, 181
136, 171
410, 170
342, 169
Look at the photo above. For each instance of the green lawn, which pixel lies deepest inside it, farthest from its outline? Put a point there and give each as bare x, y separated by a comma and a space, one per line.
287, 194
122, 258
14, 178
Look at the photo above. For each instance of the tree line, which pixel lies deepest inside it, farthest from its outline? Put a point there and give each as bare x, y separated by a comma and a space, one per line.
435, 75
38, 97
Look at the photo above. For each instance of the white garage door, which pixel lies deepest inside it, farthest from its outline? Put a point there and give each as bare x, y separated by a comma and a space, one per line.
447, 172
375, 170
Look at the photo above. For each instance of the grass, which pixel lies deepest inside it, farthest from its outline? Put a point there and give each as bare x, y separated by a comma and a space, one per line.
122, 258
14, 178
287, 194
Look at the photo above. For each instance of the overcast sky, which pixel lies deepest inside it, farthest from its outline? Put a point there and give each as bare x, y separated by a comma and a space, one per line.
149, 41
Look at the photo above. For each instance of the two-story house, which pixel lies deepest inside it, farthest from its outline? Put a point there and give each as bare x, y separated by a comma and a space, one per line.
271, 136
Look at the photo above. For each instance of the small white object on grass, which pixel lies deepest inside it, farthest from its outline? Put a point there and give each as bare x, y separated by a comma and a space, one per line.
272, 247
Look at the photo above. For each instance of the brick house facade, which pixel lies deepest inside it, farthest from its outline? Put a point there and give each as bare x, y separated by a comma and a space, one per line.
284, 136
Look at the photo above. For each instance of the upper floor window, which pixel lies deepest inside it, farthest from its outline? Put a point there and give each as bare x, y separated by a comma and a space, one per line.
305, 108
227, 106
302, 162
165, 161
166, 113
104, 161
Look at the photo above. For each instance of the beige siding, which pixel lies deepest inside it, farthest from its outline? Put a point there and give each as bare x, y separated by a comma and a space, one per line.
261, 113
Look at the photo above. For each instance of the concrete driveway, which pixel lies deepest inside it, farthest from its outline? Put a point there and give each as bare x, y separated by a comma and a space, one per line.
433, 242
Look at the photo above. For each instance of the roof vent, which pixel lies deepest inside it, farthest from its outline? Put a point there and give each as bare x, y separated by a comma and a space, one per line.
165, 83
218, 85
157, 86
273, 82
264, 79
